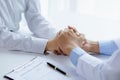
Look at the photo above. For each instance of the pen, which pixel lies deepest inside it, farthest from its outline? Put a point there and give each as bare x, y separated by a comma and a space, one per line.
56, 68
8, 78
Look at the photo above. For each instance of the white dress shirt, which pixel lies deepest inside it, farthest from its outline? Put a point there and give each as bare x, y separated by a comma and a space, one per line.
92, 68
10, 16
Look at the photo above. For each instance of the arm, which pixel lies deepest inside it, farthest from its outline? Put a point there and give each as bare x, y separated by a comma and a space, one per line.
86, 65
36, 22
40, 27
93, 68
101, 47
16, 41
107, 47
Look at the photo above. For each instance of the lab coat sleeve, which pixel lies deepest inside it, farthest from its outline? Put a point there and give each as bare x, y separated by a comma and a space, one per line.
36, 22
15, 41
117, 41
93, 68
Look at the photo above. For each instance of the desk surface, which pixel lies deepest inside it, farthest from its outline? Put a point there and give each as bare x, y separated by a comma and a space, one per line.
11, 59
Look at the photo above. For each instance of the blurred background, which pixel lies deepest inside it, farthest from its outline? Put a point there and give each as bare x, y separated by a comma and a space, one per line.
97, 19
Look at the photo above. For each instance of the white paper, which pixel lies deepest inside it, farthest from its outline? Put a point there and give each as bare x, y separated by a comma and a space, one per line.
37, 69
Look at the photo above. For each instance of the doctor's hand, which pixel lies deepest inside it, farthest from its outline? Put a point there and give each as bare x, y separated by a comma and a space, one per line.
91, 46
52, 45
81, 44
87, 45
68, 40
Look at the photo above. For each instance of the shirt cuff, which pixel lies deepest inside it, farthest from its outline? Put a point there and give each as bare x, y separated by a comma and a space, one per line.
75, 54
107, 47
39, 45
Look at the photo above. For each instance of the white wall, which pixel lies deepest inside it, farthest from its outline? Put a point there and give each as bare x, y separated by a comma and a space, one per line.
97, 19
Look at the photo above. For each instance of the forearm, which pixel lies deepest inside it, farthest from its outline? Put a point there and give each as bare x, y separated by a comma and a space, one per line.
85, 63
37, 24
93, 68
101, 47
15, 41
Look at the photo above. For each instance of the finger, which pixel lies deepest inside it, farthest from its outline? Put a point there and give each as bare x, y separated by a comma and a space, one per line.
83, 39
70, 27
83, 43
65, 54
57, 34
78, 34
82, 36
67, 29
60, 50
73, 28
56, 52
60, 33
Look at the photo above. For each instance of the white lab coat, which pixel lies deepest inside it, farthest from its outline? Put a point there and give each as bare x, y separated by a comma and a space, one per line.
10, 16
92, 68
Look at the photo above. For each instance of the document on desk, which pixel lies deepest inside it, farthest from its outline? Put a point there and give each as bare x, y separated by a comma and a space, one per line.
36, 69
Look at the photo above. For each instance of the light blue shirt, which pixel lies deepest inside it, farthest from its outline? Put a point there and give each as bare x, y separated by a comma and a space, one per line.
106, 48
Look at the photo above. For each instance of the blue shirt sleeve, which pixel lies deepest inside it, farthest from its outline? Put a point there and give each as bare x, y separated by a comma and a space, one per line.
107, 47
75, 54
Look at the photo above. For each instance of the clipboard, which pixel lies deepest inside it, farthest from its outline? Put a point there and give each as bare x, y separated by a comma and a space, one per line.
35, 69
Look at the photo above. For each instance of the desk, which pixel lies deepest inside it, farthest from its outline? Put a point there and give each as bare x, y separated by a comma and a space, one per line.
11, 59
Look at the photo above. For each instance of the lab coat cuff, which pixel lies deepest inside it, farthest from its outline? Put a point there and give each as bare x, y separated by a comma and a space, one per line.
75, 54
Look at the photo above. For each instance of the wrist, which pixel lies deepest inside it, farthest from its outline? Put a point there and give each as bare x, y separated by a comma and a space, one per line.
69, 48
49, 45
94, 47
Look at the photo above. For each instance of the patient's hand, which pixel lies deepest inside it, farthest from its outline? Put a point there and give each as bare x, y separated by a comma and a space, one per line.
68, 40
52, 45
71, 35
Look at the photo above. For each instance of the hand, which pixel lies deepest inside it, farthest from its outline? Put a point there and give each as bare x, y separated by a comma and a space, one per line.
79, 35
53, 46
68, 40
74, 30
87, 45
91, 46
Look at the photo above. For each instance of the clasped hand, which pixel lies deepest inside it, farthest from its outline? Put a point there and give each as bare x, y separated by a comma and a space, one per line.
66, 40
